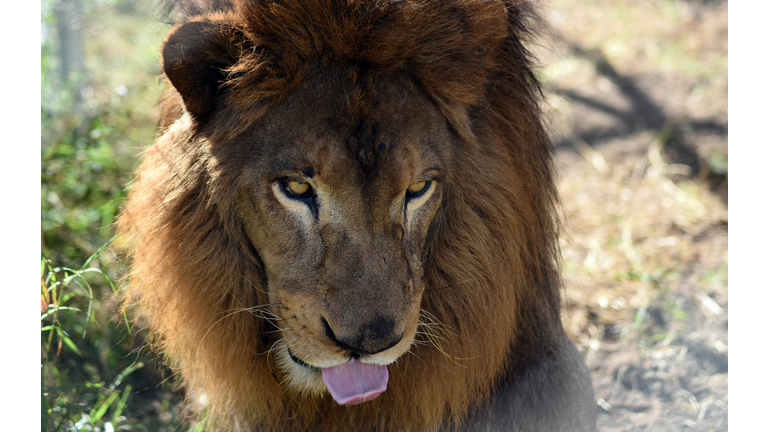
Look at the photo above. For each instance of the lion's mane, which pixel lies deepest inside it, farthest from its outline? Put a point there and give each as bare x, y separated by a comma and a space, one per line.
491, 263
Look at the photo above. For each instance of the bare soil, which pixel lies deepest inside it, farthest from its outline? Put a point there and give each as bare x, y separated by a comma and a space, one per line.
642, 147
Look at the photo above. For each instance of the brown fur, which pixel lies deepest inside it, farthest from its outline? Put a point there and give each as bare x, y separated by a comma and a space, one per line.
489, 294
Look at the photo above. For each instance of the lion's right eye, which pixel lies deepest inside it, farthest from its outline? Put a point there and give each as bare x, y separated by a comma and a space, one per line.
296, 189
299, 191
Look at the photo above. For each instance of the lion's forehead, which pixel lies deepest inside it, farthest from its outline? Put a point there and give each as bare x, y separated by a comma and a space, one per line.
377, 134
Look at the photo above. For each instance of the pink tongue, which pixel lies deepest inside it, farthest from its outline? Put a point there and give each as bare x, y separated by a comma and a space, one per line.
354, 382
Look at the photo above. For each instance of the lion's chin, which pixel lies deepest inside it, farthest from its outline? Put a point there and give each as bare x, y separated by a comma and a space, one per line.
301, 378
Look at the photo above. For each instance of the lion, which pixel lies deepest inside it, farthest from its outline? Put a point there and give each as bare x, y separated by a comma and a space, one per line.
349, 221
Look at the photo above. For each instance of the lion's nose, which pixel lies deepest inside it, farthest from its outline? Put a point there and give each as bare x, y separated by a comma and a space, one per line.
368, 339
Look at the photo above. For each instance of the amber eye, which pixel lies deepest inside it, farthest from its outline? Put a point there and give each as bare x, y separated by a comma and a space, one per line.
300, 191
416, 189
298, 187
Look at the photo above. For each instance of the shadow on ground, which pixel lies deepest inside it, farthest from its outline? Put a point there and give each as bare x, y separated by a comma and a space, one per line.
642, 153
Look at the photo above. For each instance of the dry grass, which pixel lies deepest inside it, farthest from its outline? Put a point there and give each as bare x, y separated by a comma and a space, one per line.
631, 234
668, 36
639, 112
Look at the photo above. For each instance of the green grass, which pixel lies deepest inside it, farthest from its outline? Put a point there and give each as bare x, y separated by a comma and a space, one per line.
95, 371
75, 393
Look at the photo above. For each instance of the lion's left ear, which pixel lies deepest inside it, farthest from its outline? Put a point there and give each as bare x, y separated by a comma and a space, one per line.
195, 56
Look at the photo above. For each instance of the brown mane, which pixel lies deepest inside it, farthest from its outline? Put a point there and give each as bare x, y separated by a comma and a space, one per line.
491, 265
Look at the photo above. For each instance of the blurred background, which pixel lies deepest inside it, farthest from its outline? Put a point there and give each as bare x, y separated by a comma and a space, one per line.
638, 108
99, 111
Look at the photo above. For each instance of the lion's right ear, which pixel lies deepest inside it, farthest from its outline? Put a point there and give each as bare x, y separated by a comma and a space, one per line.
195, 56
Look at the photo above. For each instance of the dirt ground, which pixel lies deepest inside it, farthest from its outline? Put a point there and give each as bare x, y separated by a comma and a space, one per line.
640, 118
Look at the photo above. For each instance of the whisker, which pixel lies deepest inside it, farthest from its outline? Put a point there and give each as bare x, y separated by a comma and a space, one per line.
415, 355
435, 332
298, 349
275, 331
254, 286
269, 364
233, 312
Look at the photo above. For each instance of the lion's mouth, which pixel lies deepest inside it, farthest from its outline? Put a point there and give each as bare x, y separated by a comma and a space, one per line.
302, 363
352, 382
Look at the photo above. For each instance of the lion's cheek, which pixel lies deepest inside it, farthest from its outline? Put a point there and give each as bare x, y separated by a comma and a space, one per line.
283, 241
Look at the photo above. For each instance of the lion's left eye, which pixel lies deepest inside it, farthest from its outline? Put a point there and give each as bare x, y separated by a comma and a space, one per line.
298, 187
417, 189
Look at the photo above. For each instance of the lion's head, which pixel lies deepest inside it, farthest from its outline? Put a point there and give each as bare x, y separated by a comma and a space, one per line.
357, 195
336, 190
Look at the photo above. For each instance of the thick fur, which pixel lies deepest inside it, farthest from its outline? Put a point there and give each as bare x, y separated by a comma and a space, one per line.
494, 356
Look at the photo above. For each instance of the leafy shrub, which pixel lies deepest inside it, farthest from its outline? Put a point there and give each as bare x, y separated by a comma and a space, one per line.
95, 121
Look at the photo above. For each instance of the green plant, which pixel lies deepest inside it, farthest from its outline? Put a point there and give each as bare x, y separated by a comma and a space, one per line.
94, 123
66, 402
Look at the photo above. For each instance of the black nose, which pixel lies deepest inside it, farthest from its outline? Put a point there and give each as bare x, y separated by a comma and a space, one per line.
374, 337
